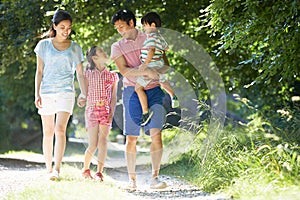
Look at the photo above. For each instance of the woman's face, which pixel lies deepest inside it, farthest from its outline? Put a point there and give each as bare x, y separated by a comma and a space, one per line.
63, 29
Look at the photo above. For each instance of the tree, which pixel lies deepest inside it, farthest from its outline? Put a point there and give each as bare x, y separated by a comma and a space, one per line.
255, 45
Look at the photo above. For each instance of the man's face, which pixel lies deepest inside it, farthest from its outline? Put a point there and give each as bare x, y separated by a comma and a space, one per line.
123, 28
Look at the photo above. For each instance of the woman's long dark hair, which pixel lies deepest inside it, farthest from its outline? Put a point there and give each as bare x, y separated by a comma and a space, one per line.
59, 15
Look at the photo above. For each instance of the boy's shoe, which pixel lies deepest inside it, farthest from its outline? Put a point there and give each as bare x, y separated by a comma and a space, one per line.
131, 185
175, 102
157, 184
87, 174
98, 176
146, 117
54, 175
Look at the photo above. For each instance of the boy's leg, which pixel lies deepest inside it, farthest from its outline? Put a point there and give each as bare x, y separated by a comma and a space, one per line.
142, 97
144, 104
166, 86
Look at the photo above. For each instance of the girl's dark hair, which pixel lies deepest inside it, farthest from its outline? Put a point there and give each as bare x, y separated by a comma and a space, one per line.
123, 15
151, 17
89, 56
59, 15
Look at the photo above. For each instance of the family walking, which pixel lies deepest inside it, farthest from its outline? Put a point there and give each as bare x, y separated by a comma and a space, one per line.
140, 59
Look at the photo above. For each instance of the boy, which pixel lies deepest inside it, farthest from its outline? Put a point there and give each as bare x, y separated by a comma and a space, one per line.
152, 56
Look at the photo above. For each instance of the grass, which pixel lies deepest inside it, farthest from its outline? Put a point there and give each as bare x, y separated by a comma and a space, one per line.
247, 162
70, 187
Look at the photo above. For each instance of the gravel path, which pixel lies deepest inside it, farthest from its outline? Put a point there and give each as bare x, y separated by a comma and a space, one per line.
19, 171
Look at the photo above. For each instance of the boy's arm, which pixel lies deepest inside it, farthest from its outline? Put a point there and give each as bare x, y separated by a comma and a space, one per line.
166, 66
150, 55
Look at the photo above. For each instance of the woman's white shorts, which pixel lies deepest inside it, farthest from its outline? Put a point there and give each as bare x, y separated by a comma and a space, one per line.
54, 103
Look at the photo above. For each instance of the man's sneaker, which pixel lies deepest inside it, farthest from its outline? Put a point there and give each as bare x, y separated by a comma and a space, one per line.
131, 185
157, 184
87, 174
54, 175
146, 117
175, 102
98, 176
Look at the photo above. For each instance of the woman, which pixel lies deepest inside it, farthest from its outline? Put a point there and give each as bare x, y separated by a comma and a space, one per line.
57, 60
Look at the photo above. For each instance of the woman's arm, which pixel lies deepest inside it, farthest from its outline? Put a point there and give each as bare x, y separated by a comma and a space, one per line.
82, 84
38, 80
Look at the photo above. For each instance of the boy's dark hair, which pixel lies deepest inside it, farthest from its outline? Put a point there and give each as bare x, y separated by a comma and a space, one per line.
151, 17
123, 15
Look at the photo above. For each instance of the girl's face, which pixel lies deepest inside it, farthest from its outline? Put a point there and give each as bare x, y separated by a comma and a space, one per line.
63, 29
100, 58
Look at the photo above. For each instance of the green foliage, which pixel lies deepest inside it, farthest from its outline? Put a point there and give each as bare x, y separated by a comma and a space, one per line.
246, 153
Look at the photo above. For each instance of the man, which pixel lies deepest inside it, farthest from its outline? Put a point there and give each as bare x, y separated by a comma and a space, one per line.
126, 55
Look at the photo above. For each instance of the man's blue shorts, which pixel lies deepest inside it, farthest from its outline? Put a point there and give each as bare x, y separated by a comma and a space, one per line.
132, 114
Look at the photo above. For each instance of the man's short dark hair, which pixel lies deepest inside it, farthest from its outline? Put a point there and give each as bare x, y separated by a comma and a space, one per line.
123, 15
151, 17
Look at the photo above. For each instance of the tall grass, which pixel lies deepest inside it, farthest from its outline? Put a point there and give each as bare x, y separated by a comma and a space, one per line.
249, 161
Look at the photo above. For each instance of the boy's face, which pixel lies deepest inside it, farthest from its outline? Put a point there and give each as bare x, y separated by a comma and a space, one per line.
123, 28
149, 28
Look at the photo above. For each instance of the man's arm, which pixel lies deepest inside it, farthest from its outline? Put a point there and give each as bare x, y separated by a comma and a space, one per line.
127, 71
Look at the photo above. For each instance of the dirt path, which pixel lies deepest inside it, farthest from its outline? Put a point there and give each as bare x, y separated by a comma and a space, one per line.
18, 172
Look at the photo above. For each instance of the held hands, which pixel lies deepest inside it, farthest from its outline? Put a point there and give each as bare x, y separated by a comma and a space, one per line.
81, 100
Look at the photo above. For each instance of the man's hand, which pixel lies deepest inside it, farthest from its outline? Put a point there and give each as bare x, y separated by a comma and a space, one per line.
152, 74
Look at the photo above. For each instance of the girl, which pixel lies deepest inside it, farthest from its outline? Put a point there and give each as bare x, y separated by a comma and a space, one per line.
101, 101
57, 60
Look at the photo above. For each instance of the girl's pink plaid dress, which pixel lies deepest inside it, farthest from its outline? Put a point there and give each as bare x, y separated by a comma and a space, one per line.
99, 96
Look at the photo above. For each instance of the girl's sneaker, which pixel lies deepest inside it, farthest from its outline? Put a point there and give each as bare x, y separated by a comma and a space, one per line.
98, 176
87, 174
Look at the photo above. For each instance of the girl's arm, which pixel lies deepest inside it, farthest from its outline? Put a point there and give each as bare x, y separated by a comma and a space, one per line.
38, 80
113, 101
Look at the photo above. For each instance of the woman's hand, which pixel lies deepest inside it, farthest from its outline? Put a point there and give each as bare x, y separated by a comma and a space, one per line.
38, 102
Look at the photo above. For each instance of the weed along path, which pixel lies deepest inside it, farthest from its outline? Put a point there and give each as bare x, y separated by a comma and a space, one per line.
23, 171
